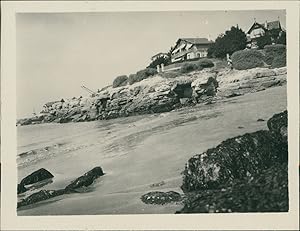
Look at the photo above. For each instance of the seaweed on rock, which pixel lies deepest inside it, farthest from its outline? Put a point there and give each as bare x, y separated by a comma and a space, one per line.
247, 173
266, 192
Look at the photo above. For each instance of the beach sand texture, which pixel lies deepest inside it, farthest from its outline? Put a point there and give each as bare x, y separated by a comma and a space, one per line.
134, 152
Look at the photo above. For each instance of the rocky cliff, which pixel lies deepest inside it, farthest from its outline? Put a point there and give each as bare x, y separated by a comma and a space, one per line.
159, 94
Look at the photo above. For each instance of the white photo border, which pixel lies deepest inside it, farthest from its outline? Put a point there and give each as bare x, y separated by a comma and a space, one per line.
239, 221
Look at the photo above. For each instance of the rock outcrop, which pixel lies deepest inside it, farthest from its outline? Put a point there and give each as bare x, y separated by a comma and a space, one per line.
234, 82
21, 188
36, 176
161, 198
240, 157
159, 94
85, 180
278, 127
82, 181
40, 196
265, 192
246, 173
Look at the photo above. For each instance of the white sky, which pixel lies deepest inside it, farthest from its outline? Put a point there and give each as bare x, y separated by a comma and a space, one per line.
59, 52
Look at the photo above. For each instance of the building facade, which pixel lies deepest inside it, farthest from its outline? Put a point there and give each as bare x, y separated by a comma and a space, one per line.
190, 48
159, 55
258, 30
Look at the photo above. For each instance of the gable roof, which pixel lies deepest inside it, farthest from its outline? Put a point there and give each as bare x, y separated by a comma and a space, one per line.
270, 26
273, 25
255, 25
193, 41
196, 40
158, 54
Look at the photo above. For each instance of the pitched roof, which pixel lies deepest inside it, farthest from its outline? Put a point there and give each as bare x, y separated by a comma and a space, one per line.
196, 40
273, 25
160, 53
270, 26
256, 25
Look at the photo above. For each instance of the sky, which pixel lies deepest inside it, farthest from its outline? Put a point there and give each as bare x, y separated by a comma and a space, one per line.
57, 53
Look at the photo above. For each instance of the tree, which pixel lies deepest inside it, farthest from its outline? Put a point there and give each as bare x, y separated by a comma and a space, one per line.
160, 60
232, 40
210, 51
281, 38
263, 41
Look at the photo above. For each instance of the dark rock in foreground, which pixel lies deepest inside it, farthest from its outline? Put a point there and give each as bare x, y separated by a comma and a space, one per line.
21, 188
240, 157
266, 192
236, 158
39, 175
85, 180
161, 198
278, 126
248, 173
40, 196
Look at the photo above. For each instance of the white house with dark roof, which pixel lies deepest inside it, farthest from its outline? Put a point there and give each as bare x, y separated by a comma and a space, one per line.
258, 30
190, 48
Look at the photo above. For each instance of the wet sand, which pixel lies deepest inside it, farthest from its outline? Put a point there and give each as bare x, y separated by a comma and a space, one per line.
135, 152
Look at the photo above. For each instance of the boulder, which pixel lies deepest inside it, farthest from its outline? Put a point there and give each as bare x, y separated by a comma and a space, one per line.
278, 126
265, 192
85, 180
39, 175
185, 101
161, 197
207, 87
202, 80
40, 196
236, 158
21, 188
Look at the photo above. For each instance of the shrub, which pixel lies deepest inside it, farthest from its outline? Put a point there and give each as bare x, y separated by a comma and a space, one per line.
205, 63
279, 61
188, 67
142, 74
193, 66
120, 81
275, 55
132, 79
263, 41
247, 59
169, 75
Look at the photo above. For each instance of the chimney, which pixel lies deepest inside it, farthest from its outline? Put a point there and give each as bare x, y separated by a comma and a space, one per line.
266, 24
208, 37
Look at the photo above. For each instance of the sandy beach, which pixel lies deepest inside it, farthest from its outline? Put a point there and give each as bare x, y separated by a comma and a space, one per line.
134, 152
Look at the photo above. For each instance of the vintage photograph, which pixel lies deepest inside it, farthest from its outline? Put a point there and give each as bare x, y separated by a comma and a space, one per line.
155, 112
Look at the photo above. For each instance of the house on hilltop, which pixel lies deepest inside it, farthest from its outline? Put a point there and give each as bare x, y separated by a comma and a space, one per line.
159, 55
190, 48
258, 30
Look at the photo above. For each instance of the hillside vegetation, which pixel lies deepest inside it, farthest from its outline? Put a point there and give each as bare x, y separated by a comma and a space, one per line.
273, 56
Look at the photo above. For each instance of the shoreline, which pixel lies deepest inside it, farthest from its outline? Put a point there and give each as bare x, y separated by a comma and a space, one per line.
119, 191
